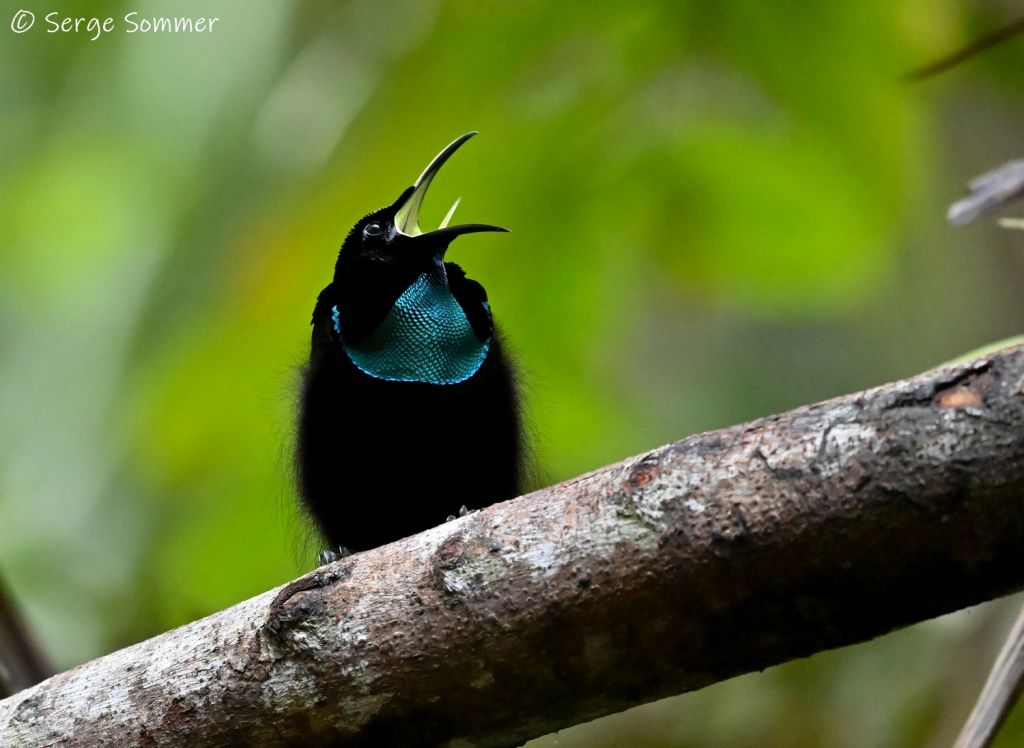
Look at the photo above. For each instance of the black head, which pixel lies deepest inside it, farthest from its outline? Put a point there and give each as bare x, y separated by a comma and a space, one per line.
391, 236
387, 250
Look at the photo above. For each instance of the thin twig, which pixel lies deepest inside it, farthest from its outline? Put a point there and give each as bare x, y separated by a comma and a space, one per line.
972, 50
22, 662
1001, 692
989, 192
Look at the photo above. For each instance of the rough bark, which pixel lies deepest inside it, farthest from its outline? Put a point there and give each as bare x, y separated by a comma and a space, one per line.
723, 553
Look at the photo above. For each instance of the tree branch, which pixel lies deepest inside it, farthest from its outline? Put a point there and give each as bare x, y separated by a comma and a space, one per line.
724, 553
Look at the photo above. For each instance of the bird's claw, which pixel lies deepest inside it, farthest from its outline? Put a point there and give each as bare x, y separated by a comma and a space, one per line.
330, 555
463, 512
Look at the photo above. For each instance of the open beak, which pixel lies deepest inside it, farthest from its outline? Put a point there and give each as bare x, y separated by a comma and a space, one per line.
407, 215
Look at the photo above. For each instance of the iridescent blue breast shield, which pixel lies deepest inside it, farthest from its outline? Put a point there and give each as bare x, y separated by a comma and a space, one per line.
426, 337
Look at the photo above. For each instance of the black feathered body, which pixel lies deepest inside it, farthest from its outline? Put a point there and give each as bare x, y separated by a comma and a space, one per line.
379, 460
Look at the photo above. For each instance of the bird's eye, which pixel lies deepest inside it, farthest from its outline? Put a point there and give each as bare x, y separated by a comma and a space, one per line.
372, 229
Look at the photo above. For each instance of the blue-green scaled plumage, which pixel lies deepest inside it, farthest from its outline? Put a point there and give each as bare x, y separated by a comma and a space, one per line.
408, 408
426, 337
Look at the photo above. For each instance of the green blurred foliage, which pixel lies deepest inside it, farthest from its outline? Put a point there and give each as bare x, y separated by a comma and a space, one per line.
719, 210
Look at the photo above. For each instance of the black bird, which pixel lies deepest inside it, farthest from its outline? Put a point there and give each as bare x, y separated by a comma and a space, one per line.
408, 410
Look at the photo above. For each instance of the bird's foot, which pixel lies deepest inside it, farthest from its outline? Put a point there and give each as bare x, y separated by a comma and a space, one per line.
463, 512
330, 555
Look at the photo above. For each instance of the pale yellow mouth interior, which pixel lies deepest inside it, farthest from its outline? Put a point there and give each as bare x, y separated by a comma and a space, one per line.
451, 212
407, 217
